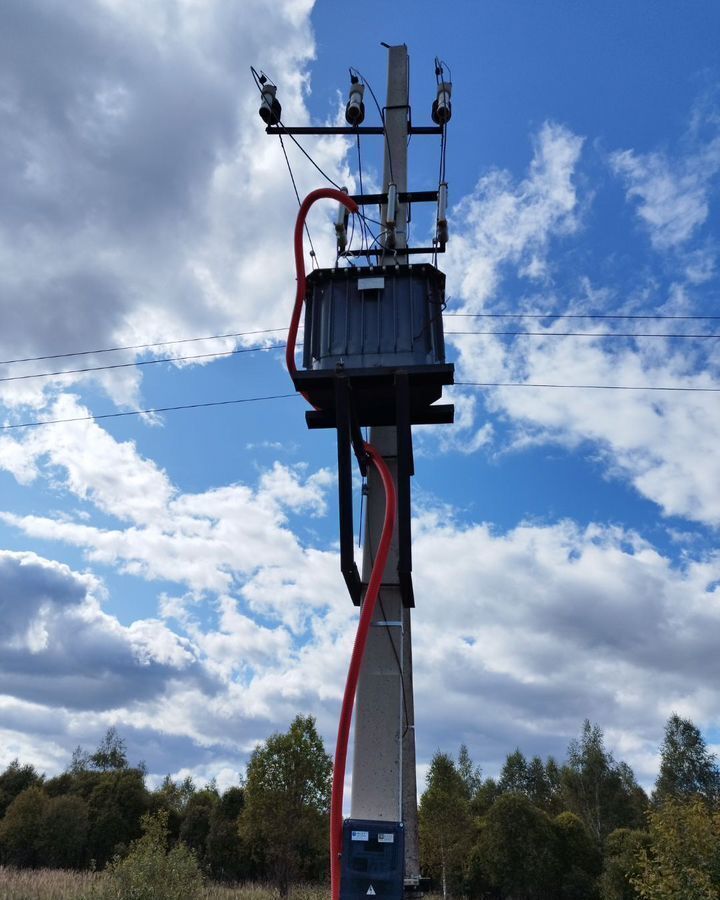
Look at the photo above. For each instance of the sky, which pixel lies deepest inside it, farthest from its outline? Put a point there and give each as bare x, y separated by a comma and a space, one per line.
176, 574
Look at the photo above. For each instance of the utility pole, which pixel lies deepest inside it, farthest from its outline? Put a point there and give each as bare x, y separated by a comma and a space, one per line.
384, 783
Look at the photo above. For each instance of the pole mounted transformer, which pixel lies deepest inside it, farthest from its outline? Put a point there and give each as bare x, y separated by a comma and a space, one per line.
374, 355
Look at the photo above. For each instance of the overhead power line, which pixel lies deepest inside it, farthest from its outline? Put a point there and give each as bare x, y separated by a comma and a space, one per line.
590, 387
141, 362
491, 315
187, 340
589, 334
139, 412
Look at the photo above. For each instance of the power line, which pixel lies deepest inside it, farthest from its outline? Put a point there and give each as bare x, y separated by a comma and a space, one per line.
141, 362
591, 387
188, 340
489, 315
139, 412
591, 334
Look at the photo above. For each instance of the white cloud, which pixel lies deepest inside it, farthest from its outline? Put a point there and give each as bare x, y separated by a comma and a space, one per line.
502, 223
141, 198
672, 194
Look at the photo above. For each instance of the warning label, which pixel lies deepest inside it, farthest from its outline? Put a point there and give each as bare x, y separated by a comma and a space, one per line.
359, 836
386, 838
370, 891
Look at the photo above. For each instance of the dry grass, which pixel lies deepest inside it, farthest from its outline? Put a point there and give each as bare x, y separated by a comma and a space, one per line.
59, 884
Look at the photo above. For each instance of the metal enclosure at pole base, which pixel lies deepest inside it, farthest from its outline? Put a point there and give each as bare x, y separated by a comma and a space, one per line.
373, 860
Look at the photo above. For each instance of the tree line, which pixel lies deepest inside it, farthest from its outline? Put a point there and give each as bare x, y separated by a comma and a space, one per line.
580, 829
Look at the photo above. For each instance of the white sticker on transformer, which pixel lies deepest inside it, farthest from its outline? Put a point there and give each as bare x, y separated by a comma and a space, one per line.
359, 836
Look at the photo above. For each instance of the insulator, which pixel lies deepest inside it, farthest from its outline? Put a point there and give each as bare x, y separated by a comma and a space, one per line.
341, 222
442, 107
355, 109
392, 205
270, 109
442, 225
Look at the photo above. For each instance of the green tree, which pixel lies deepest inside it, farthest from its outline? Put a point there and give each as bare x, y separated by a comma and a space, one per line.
621, 862
20, 828
111, 754
444, 824
63, 832
469, 772
287, 798
151, 871
116, 804
513, 777
517, 849
227, 856
14, 780
195, 826
602, 792
579, 860
687, 767
683, 858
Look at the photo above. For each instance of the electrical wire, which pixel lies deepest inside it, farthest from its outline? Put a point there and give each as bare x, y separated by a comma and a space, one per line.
381, 111
141, 362
591, 334
297, 194
590, 387
140, 412
619, 316
188, 340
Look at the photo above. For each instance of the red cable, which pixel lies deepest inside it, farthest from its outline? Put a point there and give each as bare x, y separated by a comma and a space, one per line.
319, 194
378, 569
368, 607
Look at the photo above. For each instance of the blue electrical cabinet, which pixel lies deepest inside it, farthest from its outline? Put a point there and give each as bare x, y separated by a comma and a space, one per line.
373, 860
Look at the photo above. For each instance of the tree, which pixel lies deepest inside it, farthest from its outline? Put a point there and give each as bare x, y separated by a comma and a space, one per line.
683, 859
63, 832
623, 850
687, 768
14, 780
20, 828
151, 871
579, 860
517, 849
469, 772
602, 792
444, 823
116, 804
287, 798
226, 854
110, 755
513, 777
195, 826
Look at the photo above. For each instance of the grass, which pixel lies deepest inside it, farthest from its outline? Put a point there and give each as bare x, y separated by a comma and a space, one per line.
60, 884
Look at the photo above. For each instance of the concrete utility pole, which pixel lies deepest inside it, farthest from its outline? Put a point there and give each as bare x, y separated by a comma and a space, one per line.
384, 781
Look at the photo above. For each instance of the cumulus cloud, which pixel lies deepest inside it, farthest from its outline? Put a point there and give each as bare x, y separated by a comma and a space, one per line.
671, 194
134, 171
501, 223
60, 648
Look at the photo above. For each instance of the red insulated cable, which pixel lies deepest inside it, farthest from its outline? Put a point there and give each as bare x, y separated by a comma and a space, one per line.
336, 803
319, 194
378, 569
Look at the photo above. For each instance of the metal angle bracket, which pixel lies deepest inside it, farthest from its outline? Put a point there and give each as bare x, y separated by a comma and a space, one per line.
343, 422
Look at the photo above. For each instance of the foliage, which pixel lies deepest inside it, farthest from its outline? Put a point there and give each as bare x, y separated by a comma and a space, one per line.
116, 804
287, 797
469, 772
14, 780
683, 857
151, 871
63, 832
20, 828
517, 849
578, 858
687, 767
445, 823
622, 855
602, 792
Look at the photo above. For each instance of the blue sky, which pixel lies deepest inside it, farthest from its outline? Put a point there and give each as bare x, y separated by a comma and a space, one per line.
176, 574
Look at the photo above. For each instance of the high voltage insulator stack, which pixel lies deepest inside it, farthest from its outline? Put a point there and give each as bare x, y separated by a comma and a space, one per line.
374, 355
